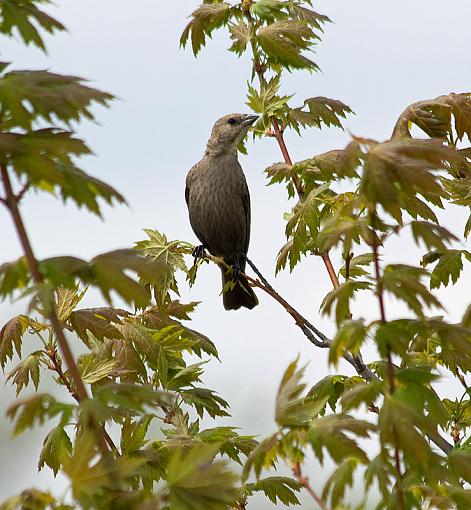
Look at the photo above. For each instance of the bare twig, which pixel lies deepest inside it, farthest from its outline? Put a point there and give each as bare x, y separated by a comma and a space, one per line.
304, 481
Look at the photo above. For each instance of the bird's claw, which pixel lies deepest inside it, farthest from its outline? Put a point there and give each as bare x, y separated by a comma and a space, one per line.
198, 252
236, 271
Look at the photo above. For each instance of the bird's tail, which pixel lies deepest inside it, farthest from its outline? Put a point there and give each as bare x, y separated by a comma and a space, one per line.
237, 291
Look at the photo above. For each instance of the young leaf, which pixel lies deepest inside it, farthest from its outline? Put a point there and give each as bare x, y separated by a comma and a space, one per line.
341, 297
195, 480
321, 110
404, 283
339, 481
207, 18
449, 267
10, 337
284, 42
29, 96
328, 433
56, 444
349, 338
276, 488
293, 408
26, 370
100, 322
169, 257
432, 116
399, 169
24, 17
203, 400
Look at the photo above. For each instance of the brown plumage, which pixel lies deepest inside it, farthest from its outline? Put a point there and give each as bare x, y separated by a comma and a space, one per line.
219, 205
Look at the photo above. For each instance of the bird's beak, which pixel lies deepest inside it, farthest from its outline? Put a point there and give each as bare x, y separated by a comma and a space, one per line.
249, 120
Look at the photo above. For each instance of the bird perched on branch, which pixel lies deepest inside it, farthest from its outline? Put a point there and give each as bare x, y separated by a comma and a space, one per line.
219, 206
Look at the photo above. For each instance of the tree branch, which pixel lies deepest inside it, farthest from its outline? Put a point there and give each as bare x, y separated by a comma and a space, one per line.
12, 205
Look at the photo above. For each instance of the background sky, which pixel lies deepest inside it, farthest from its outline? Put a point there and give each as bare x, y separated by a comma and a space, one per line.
378, 57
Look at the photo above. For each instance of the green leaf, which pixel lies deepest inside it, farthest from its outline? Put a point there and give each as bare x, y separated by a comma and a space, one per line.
110, 272
13, 276
67, 301
303, 227
169, 257
362, 393
207, 18
341, 297
26, 370
197, 481
203, 399
356, 265
404, 283
328, 433
57, 442
382, 471
133, 434
293, 408
349, 338
269, 10
284, 41
321, 110
100, 322
432, 116
241, 36
301, 13
230, 443
93, 369
23, 16
45, 158
133, 396
339, 481
276, 488
329, 390
263, 456
397, 170
268, 103
11, 336
449, 267
30, 96
37, 408
460, 105
433, 236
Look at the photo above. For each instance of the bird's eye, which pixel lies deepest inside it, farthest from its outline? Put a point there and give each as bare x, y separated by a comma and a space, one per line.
232, 121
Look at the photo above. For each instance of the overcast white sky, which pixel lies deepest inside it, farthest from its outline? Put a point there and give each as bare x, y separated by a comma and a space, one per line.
377, 57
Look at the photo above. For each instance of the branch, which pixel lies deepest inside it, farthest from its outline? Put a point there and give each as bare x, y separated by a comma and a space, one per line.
12, 205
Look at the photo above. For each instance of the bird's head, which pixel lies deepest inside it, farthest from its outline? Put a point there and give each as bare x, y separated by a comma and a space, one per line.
229, 131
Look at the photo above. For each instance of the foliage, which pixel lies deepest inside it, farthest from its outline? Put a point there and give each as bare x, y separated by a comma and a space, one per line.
141, 366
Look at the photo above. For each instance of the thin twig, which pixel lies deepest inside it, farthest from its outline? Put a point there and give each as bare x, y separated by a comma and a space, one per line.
304, 481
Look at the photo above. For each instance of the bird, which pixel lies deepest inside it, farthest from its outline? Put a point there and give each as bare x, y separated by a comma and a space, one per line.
218, 203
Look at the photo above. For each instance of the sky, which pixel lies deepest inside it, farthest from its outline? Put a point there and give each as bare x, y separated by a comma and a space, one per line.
377, 57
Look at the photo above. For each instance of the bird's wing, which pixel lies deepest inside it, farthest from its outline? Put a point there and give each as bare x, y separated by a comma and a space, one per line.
187, 194
246, 204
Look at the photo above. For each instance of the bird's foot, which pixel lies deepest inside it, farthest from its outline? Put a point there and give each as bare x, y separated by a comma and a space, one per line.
236, 271
199, 252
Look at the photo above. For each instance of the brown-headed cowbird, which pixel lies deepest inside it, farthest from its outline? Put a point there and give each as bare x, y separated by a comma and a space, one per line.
219, 205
